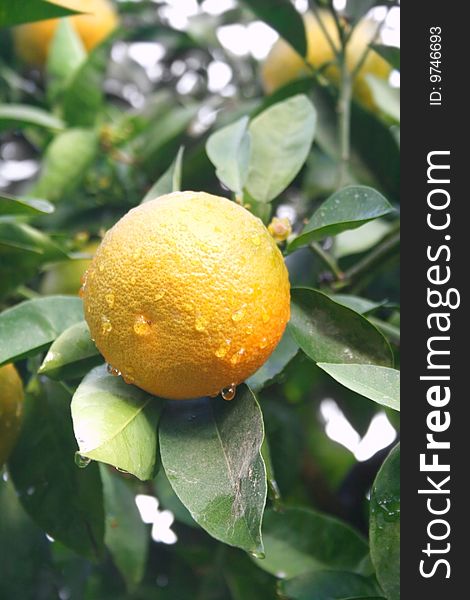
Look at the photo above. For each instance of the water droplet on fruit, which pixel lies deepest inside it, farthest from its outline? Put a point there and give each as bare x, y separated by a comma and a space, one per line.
256, 240
237, 356
137, 253
106, 326
229, 392
109, 300
101, 267
238, 315
133, 280
159, 295
265, 315
113, 371
142, 325
263, 343
81, 291
81, 461
249, 329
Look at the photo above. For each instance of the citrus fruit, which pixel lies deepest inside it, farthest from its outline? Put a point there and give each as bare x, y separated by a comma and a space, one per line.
283, 64
11, 409
65, 277
32, 40
187, 295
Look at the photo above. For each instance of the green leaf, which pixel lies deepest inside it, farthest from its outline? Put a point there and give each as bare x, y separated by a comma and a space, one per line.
282, 17
380, 384
170, 181
328, 585
27, 563
64, 500
126, 537
360, 305
116, 423
24, 206
66, 54
276, 363
229, 151
23, 115
66, 161
331, 333
385, 525
83, 96
299, 540
386, 97
170, 501
210, 450
355, 241
390, 53
72, 354
281, 137
30, 326
14, 235
13, 12
348, 208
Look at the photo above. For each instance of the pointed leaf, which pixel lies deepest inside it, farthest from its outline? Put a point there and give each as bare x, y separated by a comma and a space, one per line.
284, 18
72, 354
299, 540
281, 137
390, 53
229, 151
30, 326
360, 305
10, 205
13, 12
116, 423
126, 537
210, 450
170, 181
64, 500
331, 333
348, 208
23, 115
385, 525
65, 55
386, 97
328, 585
380, 384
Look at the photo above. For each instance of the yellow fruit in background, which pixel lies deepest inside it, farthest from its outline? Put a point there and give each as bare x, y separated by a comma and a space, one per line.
283, 64
32, 40
65, 277
11, 409
187, 295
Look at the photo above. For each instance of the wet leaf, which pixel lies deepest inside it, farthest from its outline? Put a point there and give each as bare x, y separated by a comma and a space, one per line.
380, 384
210, 451
300, 540
281, 137
30, 326
72, 354
116, 423
360, 305
64, 500
331, 333
329, 585
229, 151
126, 537
385, 525
348, 208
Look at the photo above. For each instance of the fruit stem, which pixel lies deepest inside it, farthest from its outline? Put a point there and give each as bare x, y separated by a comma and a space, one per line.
344, 114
